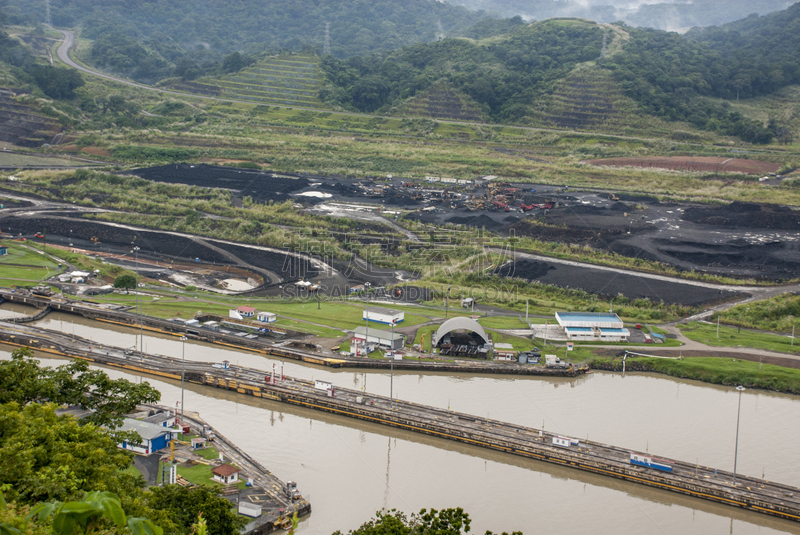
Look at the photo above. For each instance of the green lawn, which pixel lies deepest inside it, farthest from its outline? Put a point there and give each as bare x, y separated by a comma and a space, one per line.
18, 254
519, 343
504, 322
34, 274
730, 337
210, 453
200, 474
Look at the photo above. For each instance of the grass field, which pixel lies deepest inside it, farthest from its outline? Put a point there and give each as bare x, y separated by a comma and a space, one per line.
732, 337
208, 453
200, 474
11, 159
20, 254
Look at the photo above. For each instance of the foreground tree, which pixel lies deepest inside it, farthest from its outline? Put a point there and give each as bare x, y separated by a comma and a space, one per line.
48, 457
126, 281
23, 380
427, 522
184, 505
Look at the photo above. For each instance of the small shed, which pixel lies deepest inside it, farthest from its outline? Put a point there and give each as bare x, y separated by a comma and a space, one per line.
3, 250
246, 312
198, 443
504, 351
468, 302
267, 317
226, 474
383, 315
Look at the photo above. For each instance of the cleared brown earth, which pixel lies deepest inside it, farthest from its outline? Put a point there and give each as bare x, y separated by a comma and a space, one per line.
694, 163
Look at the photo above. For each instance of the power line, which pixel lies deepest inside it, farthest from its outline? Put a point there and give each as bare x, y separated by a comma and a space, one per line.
326, 49
605, 37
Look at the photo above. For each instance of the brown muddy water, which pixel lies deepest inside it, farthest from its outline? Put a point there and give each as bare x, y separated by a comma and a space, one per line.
349, 469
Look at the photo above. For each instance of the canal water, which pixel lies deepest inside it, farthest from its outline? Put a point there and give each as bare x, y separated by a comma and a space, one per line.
350, 469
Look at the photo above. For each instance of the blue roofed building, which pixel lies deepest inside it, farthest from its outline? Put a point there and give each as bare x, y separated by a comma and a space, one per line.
593, 326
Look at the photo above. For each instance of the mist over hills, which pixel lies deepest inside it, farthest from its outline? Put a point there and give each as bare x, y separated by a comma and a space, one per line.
672, 16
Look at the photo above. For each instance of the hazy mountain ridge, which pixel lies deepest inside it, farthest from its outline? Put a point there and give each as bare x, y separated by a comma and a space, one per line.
218, 27
673, 16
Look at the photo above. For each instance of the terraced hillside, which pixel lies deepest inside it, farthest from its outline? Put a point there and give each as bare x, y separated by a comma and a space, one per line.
441, 101
588, 98
22, 125
284, 80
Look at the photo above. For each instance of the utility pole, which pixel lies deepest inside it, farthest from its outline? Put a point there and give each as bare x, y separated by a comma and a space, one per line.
47, 19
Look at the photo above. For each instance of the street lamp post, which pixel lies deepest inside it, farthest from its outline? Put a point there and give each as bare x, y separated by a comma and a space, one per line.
141, 327
391, 369
183, 370
740, 389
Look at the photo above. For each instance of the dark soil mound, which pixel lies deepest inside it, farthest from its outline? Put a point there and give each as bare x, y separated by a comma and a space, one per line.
260, 186
152, 244
529, 270
478, 221
611, 283
746, 215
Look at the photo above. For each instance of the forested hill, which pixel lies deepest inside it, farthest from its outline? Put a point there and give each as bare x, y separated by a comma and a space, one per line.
503, 75
765, 51
222, 26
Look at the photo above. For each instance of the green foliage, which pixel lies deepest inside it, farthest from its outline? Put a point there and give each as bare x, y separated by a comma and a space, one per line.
46, 457
777, 314
146, 39
125, 281
720, 371
760, 53
138, 153
453, 521
670, 77
23, 381
184, 505
56, 82
504, 76
93, 513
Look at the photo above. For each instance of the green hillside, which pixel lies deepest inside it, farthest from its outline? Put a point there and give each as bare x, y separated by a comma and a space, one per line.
502, 74
290, 80
207, 30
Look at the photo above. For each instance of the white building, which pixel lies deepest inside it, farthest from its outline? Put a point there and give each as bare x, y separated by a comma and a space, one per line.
380, 337
266, 317
383, 315
226, 474
154, 437
593, 326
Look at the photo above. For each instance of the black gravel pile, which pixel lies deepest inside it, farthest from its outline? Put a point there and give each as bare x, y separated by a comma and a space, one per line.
610, 283
262, 187
150, 243
745, 215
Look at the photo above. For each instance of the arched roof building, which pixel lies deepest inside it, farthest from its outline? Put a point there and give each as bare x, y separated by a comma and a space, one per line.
458, 324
